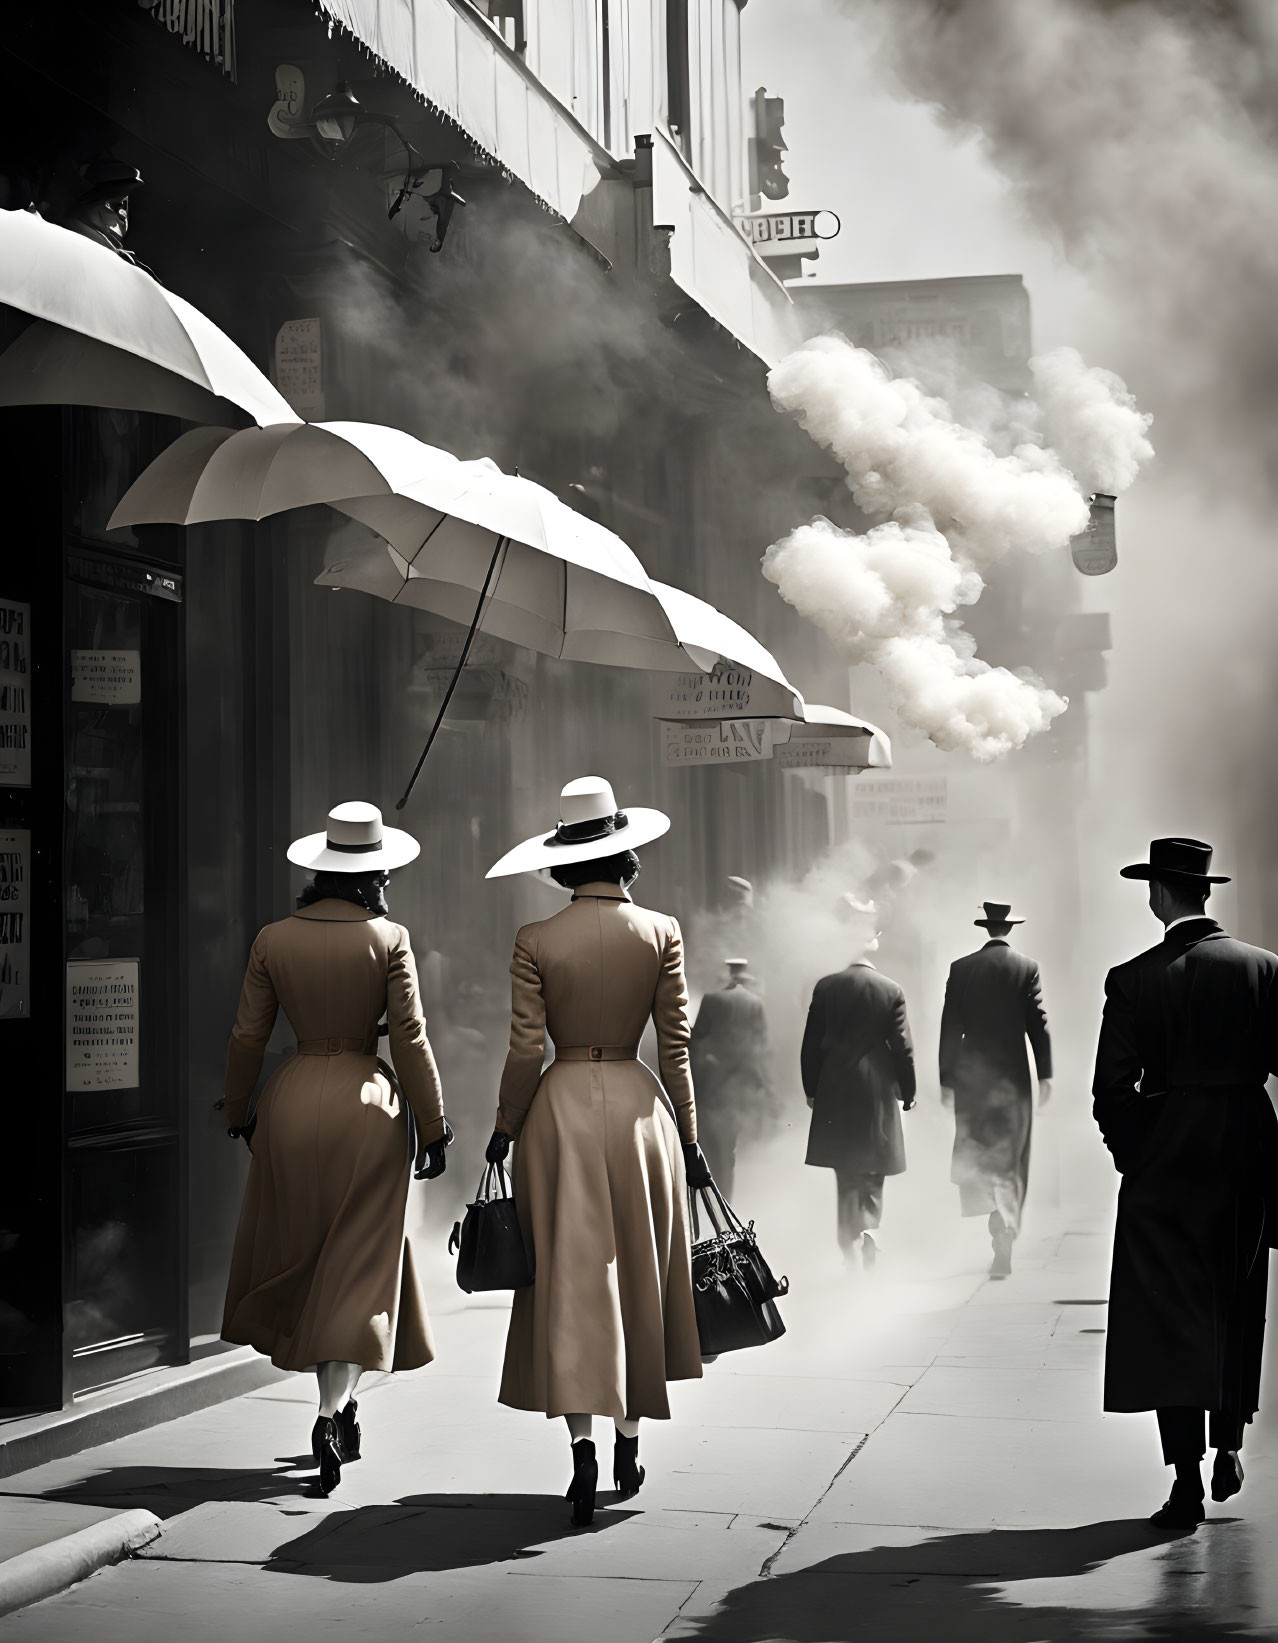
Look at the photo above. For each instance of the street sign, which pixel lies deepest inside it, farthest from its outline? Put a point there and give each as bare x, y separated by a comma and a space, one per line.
729, 692
722, 741
780, 227
825, 753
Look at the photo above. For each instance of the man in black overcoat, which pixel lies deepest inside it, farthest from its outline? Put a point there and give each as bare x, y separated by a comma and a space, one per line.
1188, 1038
729, 1052
857, 1063
993, 1003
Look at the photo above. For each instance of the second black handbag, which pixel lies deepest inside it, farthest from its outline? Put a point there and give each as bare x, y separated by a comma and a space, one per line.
491, 1253
733, 1287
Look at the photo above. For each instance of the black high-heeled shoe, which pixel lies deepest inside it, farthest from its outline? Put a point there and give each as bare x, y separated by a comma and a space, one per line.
585, 1480
325, 1446
627, 1474
348, 1431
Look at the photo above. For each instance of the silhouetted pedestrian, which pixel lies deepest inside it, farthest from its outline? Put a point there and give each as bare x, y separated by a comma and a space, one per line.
993, 1003
1188, 1038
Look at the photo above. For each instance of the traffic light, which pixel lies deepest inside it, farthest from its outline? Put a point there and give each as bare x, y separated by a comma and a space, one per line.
768, 147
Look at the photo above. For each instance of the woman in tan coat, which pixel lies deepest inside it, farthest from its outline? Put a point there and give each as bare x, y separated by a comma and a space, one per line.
604, 1156
322, 1274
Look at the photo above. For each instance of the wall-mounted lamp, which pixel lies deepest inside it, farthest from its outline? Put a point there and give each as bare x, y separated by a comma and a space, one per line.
333, 123
336, 116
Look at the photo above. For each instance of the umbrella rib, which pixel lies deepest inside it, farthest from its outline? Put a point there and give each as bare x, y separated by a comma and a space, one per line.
428, 536
416, 551
502, 543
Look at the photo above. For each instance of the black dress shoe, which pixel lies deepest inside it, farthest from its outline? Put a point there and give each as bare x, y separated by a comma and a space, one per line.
585, 1480
627, 1474
1183, 1508
328, 1454
348, 1431
1226, 1474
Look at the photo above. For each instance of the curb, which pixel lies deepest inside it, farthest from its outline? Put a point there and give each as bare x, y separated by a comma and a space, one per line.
46, 1570
134, 1406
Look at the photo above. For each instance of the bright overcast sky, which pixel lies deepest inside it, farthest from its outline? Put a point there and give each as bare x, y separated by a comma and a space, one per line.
915, 203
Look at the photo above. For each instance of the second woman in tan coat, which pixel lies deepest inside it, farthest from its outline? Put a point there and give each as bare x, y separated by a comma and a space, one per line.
604, 1155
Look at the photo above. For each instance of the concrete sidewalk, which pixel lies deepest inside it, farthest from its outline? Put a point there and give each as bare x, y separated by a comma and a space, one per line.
921, 1457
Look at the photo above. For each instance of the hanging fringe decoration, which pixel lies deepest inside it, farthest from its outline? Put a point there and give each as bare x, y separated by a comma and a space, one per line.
207, 26
383, 68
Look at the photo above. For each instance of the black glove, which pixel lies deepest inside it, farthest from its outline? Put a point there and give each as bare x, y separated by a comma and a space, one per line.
695, 1167
498, 1147
244, 1132
431, 1161
908, 1106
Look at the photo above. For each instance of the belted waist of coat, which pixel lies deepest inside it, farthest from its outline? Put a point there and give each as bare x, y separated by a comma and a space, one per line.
597, 1052
335, 1046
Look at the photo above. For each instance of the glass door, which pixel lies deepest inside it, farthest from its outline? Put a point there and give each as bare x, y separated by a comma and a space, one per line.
123, 900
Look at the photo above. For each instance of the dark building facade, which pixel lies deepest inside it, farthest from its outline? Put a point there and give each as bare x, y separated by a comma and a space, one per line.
186, 701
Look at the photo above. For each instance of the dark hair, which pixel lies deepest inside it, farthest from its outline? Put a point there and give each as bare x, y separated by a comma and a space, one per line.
622, 869
366, 890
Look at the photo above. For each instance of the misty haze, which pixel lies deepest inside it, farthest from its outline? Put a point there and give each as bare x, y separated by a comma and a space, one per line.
637, 896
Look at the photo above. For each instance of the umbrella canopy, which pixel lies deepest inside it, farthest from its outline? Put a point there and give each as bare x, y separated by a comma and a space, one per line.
561, 584
107, 333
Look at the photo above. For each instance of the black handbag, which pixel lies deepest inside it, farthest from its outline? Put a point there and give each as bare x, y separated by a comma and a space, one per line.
491, 1253
734, 1288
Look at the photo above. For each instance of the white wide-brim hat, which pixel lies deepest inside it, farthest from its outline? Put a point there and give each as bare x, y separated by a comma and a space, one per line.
590, 825
355, 841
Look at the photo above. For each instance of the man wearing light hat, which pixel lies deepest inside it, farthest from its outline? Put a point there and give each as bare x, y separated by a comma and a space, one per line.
729, 1049
993, 1003
1188, 1038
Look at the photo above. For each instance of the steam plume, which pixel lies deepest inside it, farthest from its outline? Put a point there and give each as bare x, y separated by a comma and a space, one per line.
955, 500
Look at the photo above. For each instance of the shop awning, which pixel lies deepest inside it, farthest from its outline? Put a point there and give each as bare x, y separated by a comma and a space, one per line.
453, 60
107, 333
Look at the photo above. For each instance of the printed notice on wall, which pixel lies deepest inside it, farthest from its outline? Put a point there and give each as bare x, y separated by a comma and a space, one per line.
299, 365
15, 935
15, 694
102, 1024
111, 677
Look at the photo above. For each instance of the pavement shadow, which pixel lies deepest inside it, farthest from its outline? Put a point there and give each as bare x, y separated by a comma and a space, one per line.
168, 1490
429, 1534
947, 1590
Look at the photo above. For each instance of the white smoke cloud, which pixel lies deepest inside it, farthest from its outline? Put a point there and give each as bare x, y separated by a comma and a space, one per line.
884, 596
955, 499
903, 449
1090, 420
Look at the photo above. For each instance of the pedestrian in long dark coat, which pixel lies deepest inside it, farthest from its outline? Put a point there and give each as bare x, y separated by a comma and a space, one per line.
729, 1050
1188, 1038
993, 1003
857, 1063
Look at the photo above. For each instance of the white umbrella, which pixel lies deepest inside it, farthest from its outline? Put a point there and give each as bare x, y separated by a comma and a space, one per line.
553, 580
107, 333
465, 540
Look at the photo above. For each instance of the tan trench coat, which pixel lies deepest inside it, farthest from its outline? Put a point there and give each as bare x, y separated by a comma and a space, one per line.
599, 1177
322, 1268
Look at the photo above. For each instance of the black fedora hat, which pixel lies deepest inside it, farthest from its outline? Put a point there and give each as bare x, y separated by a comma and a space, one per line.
997, 912
1179, 861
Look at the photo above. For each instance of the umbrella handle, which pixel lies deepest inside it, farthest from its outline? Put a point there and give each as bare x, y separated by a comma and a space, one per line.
502, 542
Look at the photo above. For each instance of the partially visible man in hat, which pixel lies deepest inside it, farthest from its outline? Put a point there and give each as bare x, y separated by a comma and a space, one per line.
857, 1064
1188, 1038
993, 1003
100, 207
729, 1049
